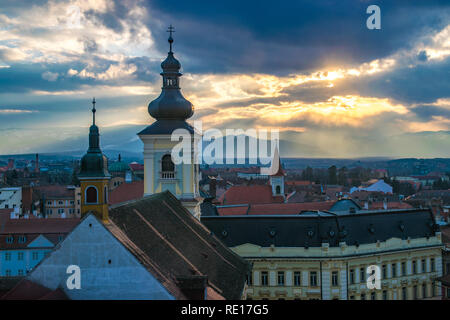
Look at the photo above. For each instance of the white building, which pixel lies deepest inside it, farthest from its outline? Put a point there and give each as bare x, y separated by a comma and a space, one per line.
11, 198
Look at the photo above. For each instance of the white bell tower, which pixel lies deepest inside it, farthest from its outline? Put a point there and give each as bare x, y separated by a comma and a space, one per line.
170, 110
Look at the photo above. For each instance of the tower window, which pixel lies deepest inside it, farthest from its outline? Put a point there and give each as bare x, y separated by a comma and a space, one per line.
167, 167
91, 195
278, 189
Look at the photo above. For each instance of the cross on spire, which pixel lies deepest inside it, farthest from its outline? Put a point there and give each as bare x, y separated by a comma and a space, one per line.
171, 30
93, 110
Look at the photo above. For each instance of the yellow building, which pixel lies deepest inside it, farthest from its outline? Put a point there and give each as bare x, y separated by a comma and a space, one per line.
94, 176
324, 255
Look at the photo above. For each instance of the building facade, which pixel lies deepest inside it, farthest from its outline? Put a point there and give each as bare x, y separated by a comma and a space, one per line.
323, 255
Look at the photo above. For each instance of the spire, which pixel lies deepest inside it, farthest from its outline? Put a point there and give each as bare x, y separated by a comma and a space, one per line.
170, 29
94, 136
93, 111
94, 163
170, 105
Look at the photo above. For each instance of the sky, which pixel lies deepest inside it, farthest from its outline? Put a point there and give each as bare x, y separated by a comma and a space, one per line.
311, 69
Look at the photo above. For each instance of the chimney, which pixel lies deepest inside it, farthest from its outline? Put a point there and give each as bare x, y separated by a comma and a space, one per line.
27, 199
385, 205
36, 164
366, 205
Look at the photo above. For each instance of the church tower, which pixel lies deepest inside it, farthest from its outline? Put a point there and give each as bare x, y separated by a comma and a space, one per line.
94, 176
170, 110
277, 176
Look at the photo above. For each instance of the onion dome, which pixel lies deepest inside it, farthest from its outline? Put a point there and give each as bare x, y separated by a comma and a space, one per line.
94, 163
170, 105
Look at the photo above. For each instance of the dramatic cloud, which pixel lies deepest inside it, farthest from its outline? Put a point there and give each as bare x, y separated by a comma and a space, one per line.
310, 69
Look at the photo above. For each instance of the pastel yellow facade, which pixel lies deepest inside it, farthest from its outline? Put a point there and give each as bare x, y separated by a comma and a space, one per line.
409, 269
100, 206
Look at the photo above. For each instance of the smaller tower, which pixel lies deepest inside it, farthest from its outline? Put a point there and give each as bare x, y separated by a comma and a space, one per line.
94, 176
277, 176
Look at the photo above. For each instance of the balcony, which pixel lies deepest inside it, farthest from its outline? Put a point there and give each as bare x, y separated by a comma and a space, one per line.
168, 175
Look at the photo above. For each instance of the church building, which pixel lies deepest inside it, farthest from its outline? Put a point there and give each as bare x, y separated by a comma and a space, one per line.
170, 110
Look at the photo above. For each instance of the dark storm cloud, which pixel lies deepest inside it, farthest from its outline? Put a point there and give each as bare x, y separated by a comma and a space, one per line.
427, 112
423, 83
286, 36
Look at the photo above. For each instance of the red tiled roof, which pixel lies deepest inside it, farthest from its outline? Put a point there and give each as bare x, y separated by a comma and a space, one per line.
275, 208
56, 191
299, 183
249, 194
136, 166
37, 226
390, 205
28, 290
127, 192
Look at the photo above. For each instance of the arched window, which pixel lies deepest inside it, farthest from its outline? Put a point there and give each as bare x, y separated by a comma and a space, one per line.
91, 195
167, 164
167, 167
278, 189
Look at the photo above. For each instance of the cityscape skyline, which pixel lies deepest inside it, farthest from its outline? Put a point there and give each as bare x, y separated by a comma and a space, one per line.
331, 86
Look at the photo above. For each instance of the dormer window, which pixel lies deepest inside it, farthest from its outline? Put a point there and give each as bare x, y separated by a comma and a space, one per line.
22, 239
9, 239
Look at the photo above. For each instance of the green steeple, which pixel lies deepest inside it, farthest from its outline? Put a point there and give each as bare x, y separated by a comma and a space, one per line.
94, 163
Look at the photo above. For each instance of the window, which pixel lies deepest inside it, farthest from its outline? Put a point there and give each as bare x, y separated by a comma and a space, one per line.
7, 256
415, 292
60, 238
313, 279
10, 239
249, 279
414, 267
281, 278
394, 270
105, 195
60, 211
49, 211
334, 279
264, 278
60, 202
383, 272
35, 255
20, 256
424, 291
363, 296
362, 275
373, 296
424, 266
404, 295
167, 164
352, 297
432, 265
8, 273
72, 202
91, 195
297, 278
385, 296
403, 268
20, 272
278, 189
49, 203
352, 276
